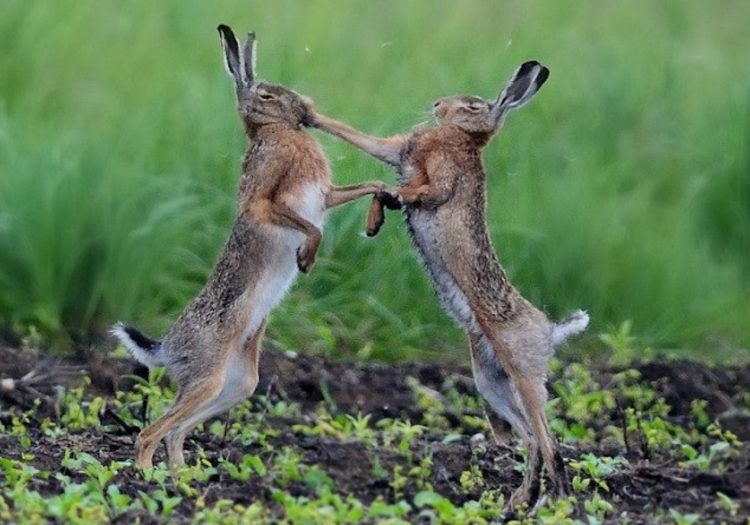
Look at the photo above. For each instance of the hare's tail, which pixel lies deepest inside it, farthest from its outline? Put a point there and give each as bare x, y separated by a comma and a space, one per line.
144, 349
572, 325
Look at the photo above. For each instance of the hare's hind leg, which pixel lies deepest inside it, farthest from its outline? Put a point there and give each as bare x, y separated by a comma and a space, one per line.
499, 426
190, 398
495, 387
529, 387
239, 382
533, 394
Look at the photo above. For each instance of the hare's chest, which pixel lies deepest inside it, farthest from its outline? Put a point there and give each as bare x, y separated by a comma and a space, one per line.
311, 203
307, 201
411, 174
428, 238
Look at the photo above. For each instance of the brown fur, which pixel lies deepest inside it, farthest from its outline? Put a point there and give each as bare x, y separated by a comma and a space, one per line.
212, 350
442, 181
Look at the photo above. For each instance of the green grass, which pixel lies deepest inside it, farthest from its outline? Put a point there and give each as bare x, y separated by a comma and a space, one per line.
623, 188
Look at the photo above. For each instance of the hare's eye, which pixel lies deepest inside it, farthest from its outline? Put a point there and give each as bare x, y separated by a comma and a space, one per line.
436, 104
474, 108
265, 96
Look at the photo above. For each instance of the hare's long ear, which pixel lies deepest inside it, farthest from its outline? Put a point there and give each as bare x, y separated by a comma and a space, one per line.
231, 55
248, 58
523, 85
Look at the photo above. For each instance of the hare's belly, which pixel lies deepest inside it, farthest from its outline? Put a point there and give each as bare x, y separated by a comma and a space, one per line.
424, 230
309, 202
281, 268
271, 286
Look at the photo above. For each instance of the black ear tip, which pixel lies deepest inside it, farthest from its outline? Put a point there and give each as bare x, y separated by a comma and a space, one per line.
225, 31
526, 67
542, 77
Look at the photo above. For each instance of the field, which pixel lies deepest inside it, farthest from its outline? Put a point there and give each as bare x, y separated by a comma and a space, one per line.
120, 151
336, 442
622, 189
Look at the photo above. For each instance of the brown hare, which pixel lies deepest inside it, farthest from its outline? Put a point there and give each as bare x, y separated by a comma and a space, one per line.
442, 180
212, 350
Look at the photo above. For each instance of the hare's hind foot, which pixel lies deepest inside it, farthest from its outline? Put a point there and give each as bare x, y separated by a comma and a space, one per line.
189, 400
559, 479
529, 490
228, 383
142, 460
175, 443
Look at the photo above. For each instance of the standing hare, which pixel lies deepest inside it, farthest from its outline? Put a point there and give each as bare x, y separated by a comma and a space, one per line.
212, 350
442, 181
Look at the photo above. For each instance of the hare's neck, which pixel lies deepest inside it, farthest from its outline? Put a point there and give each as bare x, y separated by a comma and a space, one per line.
465, 139
480, 140
269, 131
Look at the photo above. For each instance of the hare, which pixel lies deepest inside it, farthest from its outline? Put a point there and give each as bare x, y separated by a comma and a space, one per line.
442, 180
212, 350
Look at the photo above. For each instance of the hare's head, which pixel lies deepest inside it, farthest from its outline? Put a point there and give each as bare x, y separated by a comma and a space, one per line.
476, 115
260, 103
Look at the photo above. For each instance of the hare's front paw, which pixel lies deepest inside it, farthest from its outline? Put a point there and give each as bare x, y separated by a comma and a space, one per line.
306, 253
391, 198
375, 217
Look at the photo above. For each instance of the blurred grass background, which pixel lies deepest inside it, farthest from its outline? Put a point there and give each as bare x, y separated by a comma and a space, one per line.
624, 188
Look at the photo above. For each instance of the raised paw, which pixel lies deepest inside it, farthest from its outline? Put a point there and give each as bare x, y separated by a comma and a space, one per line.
375, 217
391, 198
306, 254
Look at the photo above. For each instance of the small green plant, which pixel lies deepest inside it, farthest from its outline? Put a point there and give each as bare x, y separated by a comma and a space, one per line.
398, 481
715, 455
732, 507
77, 412
698, 410
683, 519
317, 479
422, 473
472, 479
227, 512
249, 466
597, 506
579, 401
620, 340
100, 474
560, 511
18, 428
597, 468
402, 431
343, 427
159, 503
